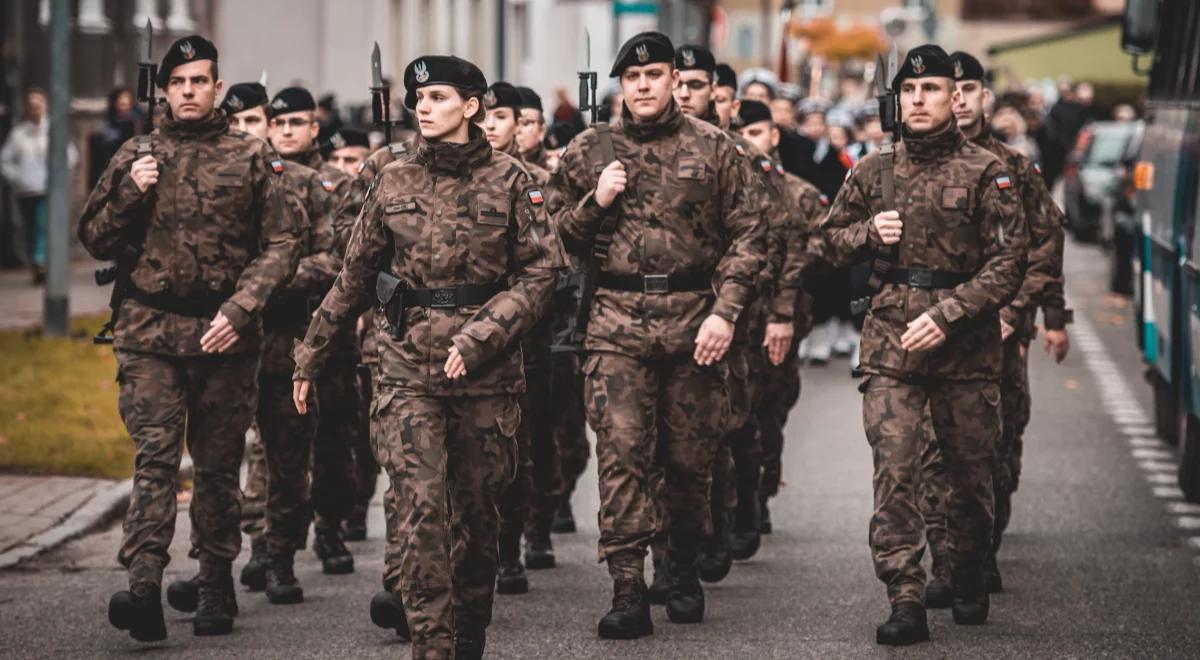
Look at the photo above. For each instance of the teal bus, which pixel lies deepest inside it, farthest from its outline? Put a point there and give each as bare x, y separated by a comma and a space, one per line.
1167, 183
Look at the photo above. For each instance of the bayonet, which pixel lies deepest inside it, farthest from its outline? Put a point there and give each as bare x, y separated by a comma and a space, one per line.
262, 78
381, 97
587, 79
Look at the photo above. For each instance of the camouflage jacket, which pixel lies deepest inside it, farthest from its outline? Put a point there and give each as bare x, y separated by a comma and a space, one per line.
537, 156
961, 214
686, 209
535, 344
802, 208
214, 228
446, 215
1043, 283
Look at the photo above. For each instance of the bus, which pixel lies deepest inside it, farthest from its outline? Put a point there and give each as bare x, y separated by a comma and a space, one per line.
1166, 179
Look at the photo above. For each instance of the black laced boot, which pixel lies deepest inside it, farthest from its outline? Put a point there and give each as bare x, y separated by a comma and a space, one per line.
139, 610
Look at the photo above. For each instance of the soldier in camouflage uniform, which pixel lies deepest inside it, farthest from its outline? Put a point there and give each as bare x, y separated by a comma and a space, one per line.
661, 321
1042, 286
537, 461
932, 336
200, 214
450, 366
783, 318
531, 129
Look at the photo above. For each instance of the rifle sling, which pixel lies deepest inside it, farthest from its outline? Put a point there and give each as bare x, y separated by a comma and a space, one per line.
600, 244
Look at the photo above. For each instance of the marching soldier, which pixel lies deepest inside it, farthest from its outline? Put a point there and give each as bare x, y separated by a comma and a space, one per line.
455, 245
531, 129
199, 212
724, 94
685, 246
949, 251
349, 148
1042, 286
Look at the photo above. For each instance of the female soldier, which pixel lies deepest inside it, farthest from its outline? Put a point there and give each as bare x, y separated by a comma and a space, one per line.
454, 241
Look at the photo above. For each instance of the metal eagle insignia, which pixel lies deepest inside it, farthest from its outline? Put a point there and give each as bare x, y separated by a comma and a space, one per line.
489, 99
958, 70
689, 57
187, 49
422, 71
643, 54
235, 103
279, 104
337, 141
918, 64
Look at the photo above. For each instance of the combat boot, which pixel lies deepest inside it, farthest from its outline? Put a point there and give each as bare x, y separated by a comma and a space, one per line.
991, 575
354, 528
387, 611
629, 616
939, 594
139, 611
254, 573
746, 535
184, 595
539, 554
282, 586
685, 596
564, 519
971, 601
764, 517
334, 555
716, 558
215, 609
469, 646
510, 575
657, 593
907, 625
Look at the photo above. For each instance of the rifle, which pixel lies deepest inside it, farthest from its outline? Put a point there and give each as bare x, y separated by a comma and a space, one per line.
381, 97
603, 239
890, 120
119, 273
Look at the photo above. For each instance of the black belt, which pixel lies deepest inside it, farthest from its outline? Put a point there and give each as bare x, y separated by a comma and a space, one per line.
464, 295
204, 306
656, 284
925, 278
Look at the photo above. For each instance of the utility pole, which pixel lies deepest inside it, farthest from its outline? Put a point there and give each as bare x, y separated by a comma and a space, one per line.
58, 197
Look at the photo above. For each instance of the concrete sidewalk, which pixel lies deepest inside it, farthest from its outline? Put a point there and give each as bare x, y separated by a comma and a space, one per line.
21, 300
38, 512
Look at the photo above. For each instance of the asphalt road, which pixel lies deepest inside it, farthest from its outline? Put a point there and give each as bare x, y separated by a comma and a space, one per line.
1097, 563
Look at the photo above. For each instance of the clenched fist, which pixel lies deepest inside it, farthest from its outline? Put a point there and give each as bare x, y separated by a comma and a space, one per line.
144, 172
889, 227
611, 183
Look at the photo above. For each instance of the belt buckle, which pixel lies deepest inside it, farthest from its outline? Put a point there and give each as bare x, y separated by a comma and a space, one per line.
656, 284
444, 298
922, 278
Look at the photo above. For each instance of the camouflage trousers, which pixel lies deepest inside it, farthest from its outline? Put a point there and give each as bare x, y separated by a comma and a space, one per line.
286, 445
208, 403
529, 503
780, 392
333, 485
1015, 405
366, 468
965, 417
449, 460
735, 469
634, 405
570, 420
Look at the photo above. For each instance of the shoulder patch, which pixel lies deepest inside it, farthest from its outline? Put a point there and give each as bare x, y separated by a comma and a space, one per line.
277, 166
824, 199
362, 166
740, 150
779, 169
327, 185
1004, 182
1037, 167
765, 165
535, 197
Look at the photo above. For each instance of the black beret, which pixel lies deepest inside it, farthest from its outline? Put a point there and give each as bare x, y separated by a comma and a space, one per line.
695, 58
928, 61
502, 95
187, 49
642, 49
966, 67
530, 99
441, 70
292, 99
244, 96
560, 134
752, 112
349, 137
725, 76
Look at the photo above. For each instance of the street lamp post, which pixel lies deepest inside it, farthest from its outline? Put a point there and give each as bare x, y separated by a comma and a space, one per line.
58, 199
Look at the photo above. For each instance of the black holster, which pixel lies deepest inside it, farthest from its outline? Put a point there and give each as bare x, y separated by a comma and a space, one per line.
389, 294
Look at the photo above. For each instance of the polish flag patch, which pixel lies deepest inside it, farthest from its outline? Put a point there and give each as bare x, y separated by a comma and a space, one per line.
1037, 167
824, 199
535, 197
277, 165
1003, 182
327, 185
766, 165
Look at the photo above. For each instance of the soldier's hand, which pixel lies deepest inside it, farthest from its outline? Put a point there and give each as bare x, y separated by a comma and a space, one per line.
889, 227
144, 172
778, 340
1006, 331
611, 184
455, 367
300, 388
1058, 344
713, 340
220, 336
922, 335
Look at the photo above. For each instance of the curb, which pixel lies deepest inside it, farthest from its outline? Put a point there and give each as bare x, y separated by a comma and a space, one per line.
102, 507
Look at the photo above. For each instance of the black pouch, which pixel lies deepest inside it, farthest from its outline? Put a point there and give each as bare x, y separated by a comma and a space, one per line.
389, 293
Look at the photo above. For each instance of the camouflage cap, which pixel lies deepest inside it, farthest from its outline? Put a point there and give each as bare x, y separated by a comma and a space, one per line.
184, 51
927, 61
244, 96
725, 76
966, 67
642, 49
441, 70
695, 58
292, 99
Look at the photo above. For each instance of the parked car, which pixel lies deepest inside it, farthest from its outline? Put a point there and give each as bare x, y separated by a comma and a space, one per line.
1093, 178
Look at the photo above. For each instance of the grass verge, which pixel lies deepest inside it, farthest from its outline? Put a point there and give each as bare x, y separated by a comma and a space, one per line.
58, 405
